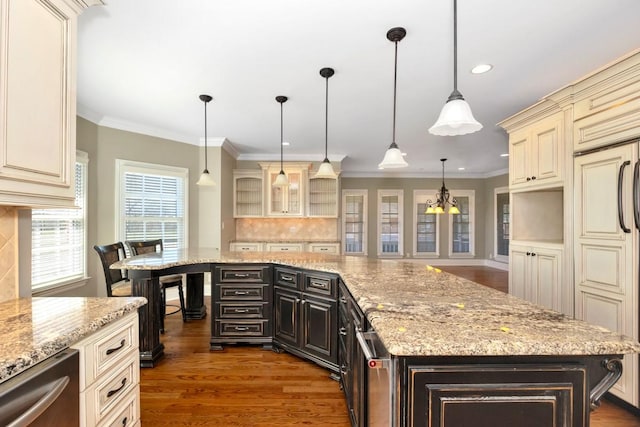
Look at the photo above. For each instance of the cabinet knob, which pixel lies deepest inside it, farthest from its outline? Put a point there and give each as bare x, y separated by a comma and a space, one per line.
528, 253
528, 179
533, 254
533, 177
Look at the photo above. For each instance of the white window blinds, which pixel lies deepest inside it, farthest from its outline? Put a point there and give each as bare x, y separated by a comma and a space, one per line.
58, 242
153, 206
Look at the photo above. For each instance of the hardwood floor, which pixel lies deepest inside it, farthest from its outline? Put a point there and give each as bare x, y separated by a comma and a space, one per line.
249, 386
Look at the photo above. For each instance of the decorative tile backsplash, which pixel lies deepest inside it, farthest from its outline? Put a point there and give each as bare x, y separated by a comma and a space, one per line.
287, 229
8, 253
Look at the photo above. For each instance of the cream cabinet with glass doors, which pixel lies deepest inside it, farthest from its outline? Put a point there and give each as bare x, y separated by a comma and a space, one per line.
288, 200
248, 194
322, 201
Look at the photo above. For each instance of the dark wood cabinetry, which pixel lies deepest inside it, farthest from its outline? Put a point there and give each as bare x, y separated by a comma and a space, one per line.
305, 315
242, 307
350, 356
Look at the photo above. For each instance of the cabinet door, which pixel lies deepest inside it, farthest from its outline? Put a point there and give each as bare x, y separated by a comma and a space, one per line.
319, 321
545, 277
606, 271
323, 198
518, 271
546, 149
37, 102
519, 143
286, 201
247, 195
287, 316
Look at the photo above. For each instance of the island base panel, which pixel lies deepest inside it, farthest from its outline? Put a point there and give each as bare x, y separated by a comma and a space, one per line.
150, 315
196, 308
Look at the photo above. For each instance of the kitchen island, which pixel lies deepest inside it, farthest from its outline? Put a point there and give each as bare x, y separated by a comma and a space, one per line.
455, 348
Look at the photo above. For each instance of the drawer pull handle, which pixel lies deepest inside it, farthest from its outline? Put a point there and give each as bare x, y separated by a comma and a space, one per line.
241, 328
343, 331
241, 293
284, 249
287, 278
241, 275
321, 285
112, 392
343, 300
324, 249
241, 310
125, 420
343, 370
113, 350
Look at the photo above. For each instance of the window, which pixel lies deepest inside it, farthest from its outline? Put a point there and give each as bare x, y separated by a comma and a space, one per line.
354, 222
152, 203
390, 223
58, 238
461, 226
425, 236
501, 237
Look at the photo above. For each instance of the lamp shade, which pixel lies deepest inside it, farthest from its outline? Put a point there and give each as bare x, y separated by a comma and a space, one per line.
454, 210
206, 180
325, 170
455, 119
393, 158
281, 180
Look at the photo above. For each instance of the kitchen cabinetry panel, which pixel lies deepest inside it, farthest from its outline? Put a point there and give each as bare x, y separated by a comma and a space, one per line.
245, 246
288, 200
286, 316
320, 323
535, 275
284, 247
37, 102
326, 248
248, 194
323, 198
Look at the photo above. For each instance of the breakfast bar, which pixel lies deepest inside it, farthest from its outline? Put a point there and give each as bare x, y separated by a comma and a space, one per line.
447, 349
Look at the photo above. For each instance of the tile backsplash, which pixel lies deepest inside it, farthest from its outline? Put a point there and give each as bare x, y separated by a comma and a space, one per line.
8, 253
287, 229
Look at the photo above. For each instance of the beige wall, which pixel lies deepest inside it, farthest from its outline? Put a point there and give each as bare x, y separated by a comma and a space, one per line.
490, 223
483, 207
8, 253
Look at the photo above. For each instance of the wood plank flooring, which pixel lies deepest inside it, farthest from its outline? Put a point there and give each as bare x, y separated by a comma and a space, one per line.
248, 386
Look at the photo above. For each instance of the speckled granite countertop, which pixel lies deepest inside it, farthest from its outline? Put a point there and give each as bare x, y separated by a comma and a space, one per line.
32, 329
420, 311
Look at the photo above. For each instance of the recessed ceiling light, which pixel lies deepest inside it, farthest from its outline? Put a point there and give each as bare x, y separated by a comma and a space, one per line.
504, 155
285, 143
481, 68
460, 169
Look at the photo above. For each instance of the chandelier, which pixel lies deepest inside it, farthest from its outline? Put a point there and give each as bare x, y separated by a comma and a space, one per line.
442, 199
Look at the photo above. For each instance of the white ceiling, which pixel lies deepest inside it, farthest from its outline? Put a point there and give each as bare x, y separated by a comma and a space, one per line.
143, 63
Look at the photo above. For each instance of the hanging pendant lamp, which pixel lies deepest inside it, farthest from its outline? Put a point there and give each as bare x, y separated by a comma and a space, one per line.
326, 169
393, 157
281, 179
442, 199
456, 117
205, 178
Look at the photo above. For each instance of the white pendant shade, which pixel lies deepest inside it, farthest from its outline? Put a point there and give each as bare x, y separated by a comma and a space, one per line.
455, 119
206, 180
325, 170
393, 159
281, 180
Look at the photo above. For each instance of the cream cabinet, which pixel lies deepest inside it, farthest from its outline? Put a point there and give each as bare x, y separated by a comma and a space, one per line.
248, 194
38, 101
606, 240
324, 248
536, 154
284, 247
322, 198
246, 246
110, 375
289, 200
536, 274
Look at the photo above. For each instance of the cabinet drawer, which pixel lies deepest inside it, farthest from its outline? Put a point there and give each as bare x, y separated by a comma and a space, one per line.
284, 247
244, 311
105, 394
286, 277
256, 328
101, 351
240, 292
320, 284
126, 413
237, 274
245, 247
324, 248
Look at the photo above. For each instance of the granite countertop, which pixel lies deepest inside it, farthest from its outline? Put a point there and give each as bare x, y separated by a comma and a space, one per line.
418, 310
34, 329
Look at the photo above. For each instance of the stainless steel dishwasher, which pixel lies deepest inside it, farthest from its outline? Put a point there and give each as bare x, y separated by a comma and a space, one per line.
48, 394
380, 379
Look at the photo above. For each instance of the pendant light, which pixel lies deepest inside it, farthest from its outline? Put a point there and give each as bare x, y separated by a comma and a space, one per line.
442, 199
393, 157
326, 170
456, 117
205, 178
281, 179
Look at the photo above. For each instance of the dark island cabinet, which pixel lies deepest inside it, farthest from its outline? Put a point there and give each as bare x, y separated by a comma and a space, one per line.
242, 305
306, 315
350, 356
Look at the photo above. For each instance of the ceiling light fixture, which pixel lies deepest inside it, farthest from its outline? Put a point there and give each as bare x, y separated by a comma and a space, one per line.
442, 199
456, 117
393, 156
481, 68
326, 170
205, 178
281, 179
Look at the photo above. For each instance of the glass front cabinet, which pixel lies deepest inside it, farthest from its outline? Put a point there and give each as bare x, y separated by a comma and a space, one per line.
248, 194
289, 200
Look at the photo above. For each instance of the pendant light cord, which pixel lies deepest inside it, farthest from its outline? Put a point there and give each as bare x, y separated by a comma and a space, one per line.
205, 137
326, 119
455, 46
395, 80
281, 138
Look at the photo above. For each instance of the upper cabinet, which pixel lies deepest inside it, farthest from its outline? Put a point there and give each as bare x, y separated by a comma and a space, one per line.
536, 153
38, 101
305, 196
